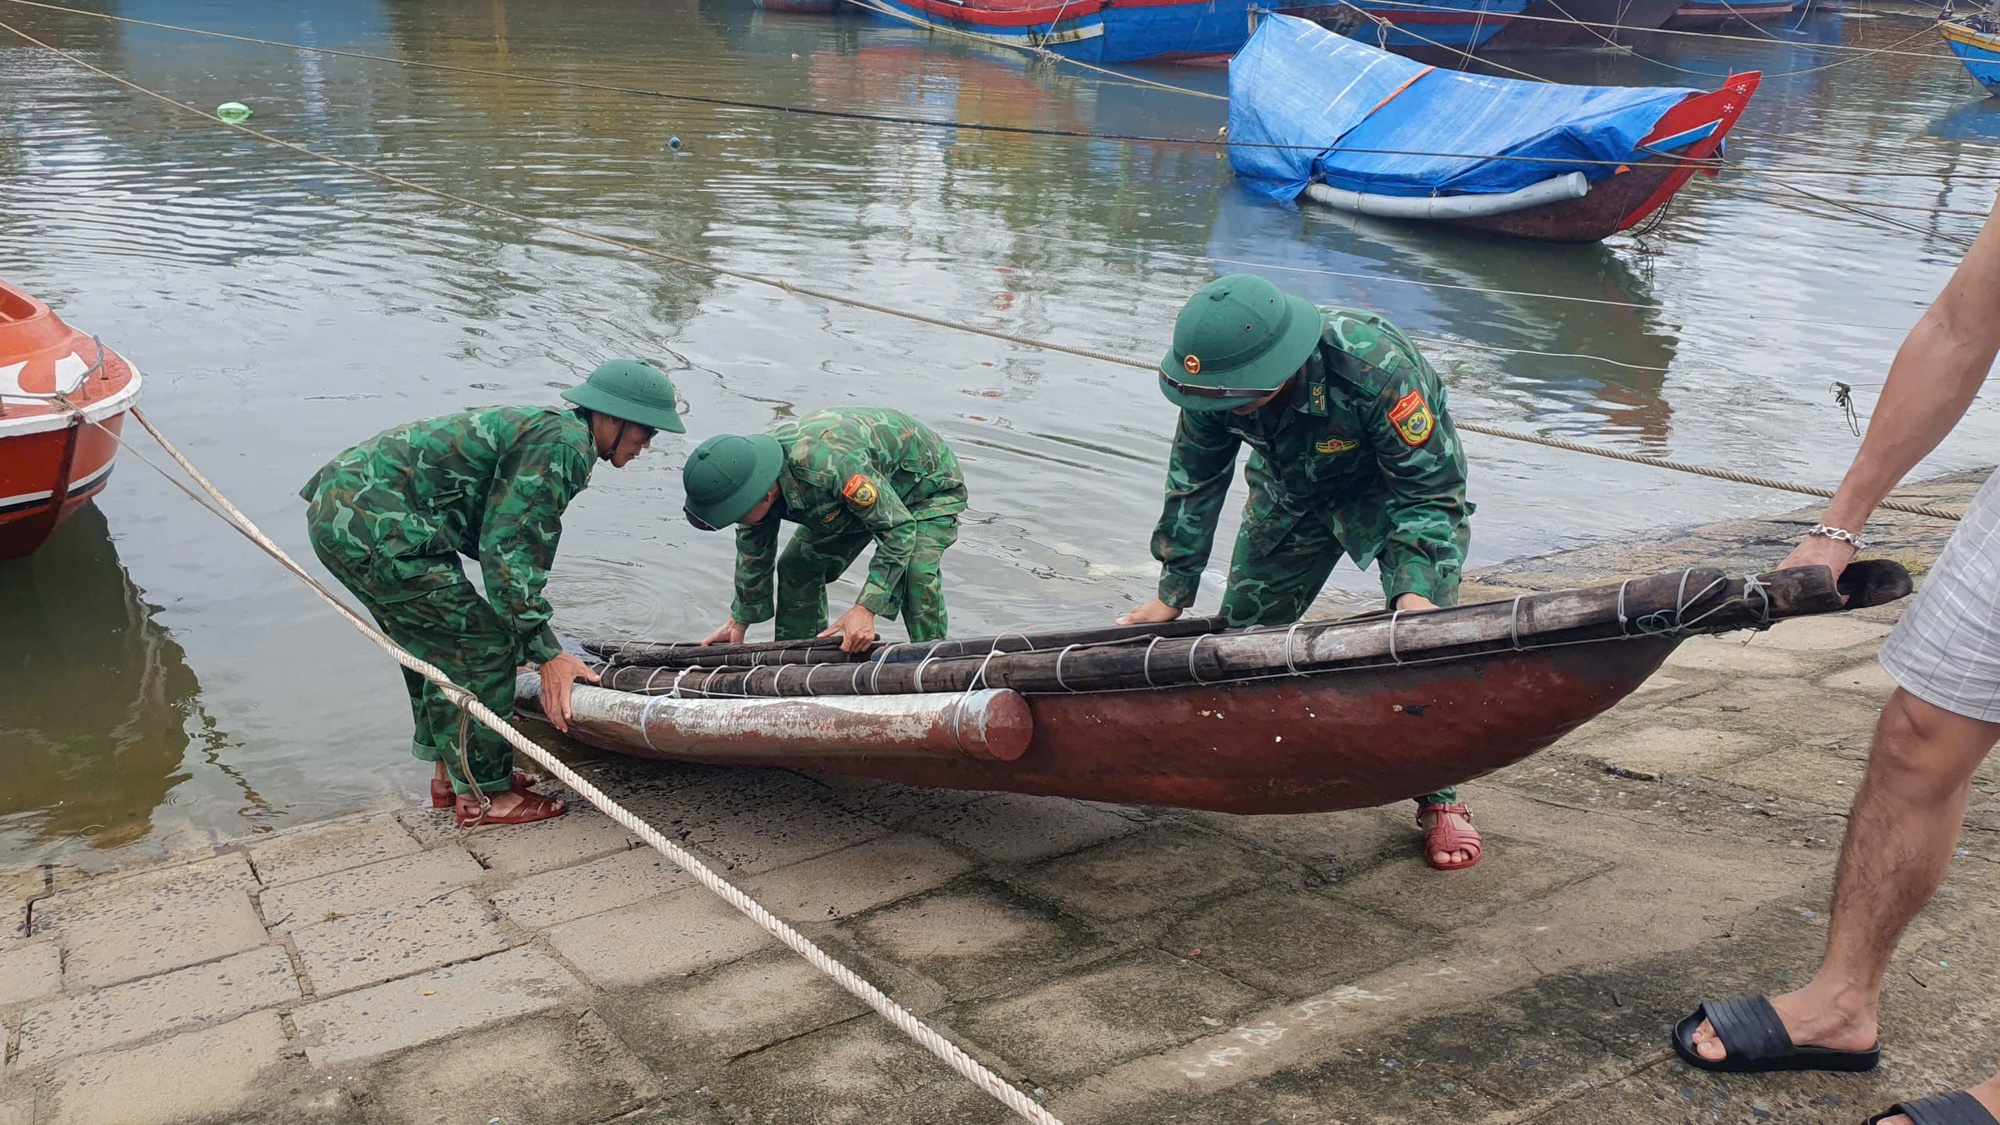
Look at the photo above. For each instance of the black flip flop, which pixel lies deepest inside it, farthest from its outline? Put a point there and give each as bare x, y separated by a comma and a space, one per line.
1758, 1043
1960, 1108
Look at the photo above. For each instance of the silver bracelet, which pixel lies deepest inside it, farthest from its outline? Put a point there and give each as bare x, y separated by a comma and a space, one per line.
1838, 535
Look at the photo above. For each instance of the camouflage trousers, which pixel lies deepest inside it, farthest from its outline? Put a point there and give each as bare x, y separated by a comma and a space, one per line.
1276, 583
427, 605
811, 560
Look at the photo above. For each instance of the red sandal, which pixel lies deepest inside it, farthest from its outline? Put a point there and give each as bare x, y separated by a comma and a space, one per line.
533, 807
1443, 836
441, 794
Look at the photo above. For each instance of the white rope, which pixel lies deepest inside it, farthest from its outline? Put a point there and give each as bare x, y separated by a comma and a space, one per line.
771, 924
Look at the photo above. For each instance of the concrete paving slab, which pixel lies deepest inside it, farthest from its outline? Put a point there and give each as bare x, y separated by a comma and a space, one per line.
860, 878
547, 1071
1667, 751
394, 941
526, 849
154, 923
202, 996
758, 821
18, 1112
979, 939
1730, 655
1140, 1004
1805, 775
435, 1005
862, 1072
1145, 872
1512, 872
191, 1077
1328, 843
1866, 680
1822, 634
30, 971
672, 935
309, 853
1010, 828
559, 896
683, 1027
1292, 944
892, 805
418, 875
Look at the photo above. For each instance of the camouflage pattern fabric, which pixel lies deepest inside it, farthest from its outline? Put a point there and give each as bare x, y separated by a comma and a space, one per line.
852, 475
1364, 449
390, 518
1361, 460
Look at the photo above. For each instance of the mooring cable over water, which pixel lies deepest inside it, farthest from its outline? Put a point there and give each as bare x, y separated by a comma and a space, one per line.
219, 505
871, 306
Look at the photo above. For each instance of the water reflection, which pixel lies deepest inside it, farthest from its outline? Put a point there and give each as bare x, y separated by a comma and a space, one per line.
1447, 289
96, 699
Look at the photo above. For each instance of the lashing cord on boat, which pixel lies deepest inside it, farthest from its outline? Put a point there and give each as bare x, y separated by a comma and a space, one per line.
910, 314
471, 708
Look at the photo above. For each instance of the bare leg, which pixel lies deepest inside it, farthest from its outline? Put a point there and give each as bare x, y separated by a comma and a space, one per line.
1900, 835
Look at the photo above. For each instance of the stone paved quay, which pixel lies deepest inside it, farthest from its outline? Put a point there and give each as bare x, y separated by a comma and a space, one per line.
1134, 965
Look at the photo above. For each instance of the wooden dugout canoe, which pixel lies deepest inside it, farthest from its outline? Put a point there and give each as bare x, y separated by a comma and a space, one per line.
1319, 716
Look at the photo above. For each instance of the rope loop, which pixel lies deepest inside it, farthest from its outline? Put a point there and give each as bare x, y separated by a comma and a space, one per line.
1192, 649
1060, 657
1514, 622
1395, 615
1146, 664
1291, 660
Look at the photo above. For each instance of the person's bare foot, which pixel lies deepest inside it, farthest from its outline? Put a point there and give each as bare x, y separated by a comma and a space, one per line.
1987, 1093
1814, 1016
1457, 857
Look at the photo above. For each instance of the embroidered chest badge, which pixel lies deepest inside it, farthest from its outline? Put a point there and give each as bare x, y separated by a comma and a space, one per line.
1413, 419
1336, 445
860, 491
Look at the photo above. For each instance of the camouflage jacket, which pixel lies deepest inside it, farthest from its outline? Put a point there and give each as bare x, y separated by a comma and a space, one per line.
488, 484
851, 469
1364, 443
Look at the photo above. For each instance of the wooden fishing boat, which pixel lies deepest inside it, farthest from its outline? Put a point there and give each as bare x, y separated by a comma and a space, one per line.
1710, 15
1552, 24
51, 462
1317, 716
1344, 124
1975, 39
1095, 31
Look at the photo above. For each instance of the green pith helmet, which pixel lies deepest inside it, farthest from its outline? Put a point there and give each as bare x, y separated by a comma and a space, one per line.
632, 390
1237, 339
729, 475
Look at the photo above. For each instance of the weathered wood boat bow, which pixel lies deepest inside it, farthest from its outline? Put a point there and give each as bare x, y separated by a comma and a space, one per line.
1321, 715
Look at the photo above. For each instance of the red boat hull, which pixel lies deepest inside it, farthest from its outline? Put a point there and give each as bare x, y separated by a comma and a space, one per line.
1627, 199
63, 399
1284, 745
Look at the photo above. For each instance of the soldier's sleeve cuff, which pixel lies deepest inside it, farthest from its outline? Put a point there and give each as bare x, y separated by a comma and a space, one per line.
876, 602
1424, 581
543, 646
1178, 590
744, 615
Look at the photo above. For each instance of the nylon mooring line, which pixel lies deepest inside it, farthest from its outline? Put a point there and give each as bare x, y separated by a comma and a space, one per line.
925, 1037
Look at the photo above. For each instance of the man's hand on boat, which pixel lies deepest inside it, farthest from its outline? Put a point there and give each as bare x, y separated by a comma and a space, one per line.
731, 633
559, 675
1832, 554
1156, 611
856, 629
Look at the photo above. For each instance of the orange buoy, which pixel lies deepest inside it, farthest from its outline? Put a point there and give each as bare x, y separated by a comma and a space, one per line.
54, 383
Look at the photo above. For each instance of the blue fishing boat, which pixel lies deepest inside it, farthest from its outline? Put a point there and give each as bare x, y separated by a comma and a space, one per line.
1435, 31
1095, 31
1976, 41
1316, 115
1699, 15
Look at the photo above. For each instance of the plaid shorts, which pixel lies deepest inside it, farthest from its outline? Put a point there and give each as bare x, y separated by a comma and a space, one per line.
1946, 649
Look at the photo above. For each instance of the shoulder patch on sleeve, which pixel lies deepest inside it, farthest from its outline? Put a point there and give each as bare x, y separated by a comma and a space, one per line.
859, 491
1413, 419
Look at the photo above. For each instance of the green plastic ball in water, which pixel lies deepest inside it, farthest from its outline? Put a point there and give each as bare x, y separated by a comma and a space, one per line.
233, 112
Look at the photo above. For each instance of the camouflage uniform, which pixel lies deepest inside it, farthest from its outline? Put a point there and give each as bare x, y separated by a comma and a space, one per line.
1361, 460
390, 518
854, 475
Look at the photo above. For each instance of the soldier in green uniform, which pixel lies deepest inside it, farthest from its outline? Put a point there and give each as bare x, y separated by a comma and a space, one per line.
848, 477
391, 516
1351, 452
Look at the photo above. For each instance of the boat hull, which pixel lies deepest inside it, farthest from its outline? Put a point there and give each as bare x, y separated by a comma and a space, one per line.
1553, 24
1202, 32
801, 7
1979, 52
1707, 15
1285, 745
1441, 34
45, 477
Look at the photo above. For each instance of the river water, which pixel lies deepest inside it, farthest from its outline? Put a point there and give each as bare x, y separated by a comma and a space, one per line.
161, 683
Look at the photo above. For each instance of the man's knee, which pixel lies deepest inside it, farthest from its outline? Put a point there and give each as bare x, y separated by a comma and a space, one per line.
1925, 750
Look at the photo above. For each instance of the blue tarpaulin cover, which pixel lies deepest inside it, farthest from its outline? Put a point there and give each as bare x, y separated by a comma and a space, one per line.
1298, 84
